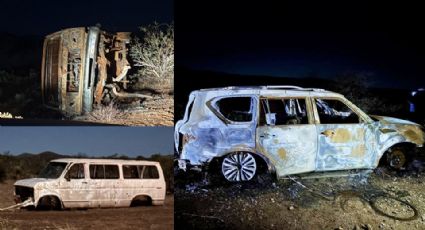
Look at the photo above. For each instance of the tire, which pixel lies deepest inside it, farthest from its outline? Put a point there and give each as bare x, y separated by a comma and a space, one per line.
239, 166
397, 158
49, 203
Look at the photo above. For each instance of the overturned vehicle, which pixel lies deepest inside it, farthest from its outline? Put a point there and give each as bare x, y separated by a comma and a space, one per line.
82, 67
287, 130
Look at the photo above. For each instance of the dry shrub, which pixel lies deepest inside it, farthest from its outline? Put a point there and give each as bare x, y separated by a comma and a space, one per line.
154, 56
159, 85
106, 113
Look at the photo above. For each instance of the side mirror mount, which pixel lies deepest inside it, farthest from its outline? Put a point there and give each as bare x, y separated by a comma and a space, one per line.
67, 177
270, 118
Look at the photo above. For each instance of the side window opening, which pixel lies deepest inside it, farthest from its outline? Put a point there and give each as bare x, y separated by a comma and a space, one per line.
237, 109
332, 111
130, 172
150, 172
104, 172
76, 172
111, 172
283, 111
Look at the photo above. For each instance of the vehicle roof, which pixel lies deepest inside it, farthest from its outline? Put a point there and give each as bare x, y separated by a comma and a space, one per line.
286, 89
95, 160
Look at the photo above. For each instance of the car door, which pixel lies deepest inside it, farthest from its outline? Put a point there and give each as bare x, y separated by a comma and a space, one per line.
286, 134
104, 185
342, 136
74, 187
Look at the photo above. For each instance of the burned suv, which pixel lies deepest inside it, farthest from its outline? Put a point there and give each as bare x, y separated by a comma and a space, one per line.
287, 130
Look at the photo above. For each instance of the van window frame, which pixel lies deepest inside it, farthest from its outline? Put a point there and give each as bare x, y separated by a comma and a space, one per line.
104, 171
138, 171
157, 171
70, 167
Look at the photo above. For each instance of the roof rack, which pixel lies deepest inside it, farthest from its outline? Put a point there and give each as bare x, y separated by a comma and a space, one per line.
292, 87
283, 87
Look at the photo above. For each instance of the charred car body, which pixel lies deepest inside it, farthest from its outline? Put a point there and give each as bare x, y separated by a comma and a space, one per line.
287, 129
83, 66
89, 183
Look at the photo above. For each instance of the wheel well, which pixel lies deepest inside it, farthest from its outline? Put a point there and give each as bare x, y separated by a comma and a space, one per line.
141, 200
44, 202
409, 147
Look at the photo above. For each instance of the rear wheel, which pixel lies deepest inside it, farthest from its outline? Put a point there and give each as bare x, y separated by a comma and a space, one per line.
239, 166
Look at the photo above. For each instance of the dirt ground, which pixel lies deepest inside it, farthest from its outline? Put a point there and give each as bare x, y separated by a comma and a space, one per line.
143, 217
156, 112
354, 202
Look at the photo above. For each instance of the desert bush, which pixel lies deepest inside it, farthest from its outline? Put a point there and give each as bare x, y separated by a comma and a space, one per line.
105, 113
357, 89
155, 57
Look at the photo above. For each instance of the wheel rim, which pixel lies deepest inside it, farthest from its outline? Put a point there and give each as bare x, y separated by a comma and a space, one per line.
239, 166
396, 159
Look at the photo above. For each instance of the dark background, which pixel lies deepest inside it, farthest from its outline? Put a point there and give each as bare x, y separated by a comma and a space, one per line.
25, 23
307, 44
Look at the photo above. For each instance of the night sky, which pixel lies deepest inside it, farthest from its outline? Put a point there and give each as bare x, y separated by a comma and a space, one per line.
41, 17
92, 141
385, 43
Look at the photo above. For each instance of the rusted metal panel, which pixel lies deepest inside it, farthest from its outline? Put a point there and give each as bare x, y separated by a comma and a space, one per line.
102, 64
50, 71
89, 71
70, 82
62, 70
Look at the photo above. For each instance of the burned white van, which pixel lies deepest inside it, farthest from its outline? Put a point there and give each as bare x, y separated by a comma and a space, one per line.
90, 183
287, 130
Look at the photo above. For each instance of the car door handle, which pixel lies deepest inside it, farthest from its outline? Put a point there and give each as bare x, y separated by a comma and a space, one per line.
266, 135
84, 182
328, 133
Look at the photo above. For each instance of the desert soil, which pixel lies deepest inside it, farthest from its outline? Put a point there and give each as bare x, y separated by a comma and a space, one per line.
156, 112
142, 217
325, 203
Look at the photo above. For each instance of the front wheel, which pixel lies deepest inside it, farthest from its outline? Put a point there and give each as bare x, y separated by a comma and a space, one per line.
239, 166
49, 203
396, 158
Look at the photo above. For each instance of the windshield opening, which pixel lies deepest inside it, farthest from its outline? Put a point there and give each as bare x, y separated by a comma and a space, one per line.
53, 170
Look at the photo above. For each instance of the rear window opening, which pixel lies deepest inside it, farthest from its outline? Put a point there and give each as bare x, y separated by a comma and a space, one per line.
237, 109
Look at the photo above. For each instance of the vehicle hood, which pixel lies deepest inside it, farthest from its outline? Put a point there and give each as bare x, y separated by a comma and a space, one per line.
393, 120
32, 182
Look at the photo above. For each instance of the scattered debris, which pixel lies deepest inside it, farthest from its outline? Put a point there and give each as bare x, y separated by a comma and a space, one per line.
26, 203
